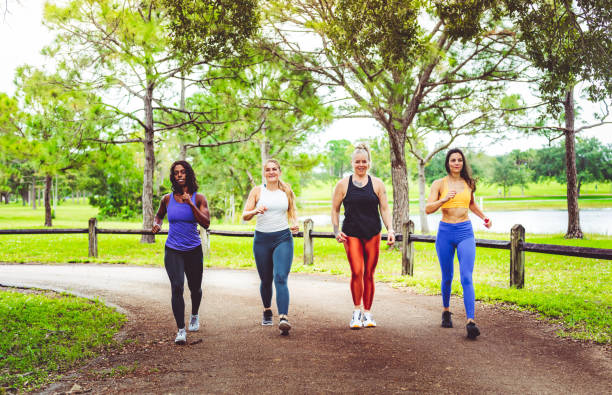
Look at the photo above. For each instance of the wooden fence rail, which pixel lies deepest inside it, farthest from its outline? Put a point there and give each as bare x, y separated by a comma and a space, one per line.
516, 245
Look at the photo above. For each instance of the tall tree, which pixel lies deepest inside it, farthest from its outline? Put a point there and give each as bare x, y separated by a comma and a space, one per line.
393, 59
124, 48
58, 125
568, 41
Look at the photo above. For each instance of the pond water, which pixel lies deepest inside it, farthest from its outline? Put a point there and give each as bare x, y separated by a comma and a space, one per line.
535, 221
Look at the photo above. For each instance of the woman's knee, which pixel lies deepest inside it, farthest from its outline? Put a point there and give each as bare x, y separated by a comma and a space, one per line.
466, 279
177, 289
280, 279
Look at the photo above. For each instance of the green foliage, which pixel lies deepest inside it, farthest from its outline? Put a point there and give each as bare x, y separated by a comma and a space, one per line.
568, 41
44, 335
386, 31
337, 157
209, 30
507, 172
592, 162
115, 181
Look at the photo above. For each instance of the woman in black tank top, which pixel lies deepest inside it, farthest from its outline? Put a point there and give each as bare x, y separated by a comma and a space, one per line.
363, 197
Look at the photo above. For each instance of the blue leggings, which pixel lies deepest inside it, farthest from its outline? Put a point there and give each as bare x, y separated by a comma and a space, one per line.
273, 257
460, 237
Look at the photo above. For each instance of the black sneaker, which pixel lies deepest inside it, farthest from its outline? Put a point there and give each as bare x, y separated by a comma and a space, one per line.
284, 326
267, 318
472, 330
446, 319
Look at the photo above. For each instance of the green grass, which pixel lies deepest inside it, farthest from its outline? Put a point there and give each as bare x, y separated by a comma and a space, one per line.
574, 291
42, 335
316, 198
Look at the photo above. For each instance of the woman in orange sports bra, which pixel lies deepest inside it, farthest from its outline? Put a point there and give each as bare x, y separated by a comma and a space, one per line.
454, 194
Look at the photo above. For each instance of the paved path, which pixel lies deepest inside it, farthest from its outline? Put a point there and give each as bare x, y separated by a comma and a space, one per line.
408, 352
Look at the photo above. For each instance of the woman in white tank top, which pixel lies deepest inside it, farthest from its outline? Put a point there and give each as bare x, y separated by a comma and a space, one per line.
273, 204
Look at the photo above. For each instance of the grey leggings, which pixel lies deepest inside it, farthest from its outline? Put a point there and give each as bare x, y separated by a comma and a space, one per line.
178, 265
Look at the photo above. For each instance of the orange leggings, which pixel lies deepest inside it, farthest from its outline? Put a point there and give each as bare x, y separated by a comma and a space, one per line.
362, 256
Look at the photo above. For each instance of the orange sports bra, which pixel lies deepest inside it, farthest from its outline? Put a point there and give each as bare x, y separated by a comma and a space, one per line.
461, 199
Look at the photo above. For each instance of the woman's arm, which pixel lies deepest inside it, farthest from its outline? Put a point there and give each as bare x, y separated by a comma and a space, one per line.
249, 209
337, 197
476, 210
161, 213
385, 212
433, 203
200, 212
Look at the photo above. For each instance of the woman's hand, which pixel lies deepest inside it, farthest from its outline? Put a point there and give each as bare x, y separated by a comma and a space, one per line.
259, 210
390, 237
451, 194
155, 228
487, 223
341, 237
295, 228
185, 197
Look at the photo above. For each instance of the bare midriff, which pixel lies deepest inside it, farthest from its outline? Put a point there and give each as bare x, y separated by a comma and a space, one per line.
454, 215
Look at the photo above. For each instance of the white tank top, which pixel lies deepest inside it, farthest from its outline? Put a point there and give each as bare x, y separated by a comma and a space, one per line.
275, 217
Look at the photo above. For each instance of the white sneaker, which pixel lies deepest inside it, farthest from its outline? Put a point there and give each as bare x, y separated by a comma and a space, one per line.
181, 337
194, 323
368, 321
356, 320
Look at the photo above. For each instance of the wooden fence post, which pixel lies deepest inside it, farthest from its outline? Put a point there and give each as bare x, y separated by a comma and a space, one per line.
517, 256
407, 249
308, 244
93, 238
205, 236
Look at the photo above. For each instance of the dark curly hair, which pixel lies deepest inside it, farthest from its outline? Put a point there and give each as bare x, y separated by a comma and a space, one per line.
190, 181
466, 172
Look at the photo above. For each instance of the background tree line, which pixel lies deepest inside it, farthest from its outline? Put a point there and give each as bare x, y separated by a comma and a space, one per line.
227, 84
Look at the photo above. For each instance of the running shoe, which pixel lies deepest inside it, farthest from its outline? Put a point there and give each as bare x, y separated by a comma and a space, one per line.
472, 330
368, 321
194, 323
284, 326
356, 320
446, 319
181, 337
267, 318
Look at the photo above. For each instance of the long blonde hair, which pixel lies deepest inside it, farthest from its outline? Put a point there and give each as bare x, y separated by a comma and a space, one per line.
283, 186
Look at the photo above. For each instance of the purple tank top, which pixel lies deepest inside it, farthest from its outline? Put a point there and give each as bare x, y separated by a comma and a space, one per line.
183, 231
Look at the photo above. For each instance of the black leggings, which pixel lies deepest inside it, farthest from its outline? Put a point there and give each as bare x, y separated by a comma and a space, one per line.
178, 265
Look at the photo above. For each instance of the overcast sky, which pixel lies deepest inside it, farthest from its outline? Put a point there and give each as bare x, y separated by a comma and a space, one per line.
22, 36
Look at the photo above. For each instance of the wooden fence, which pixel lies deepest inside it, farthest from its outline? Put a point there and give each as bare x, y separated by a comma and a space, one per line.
516, 245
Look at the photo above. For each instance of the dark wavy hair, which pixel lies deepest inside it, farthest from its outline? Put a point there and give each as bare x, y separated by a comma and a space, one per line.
190, 181
466, 172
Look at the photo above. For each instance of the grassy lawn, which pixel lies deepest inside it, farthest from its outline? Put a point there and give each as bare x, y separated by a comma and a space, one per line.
316, 198
575, 291
44, 334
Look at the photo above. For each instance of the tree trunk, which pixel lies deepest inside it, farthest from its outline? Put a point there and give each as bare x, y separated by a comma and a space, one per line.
24, 196
264, 147
183, 152
33, 194
399, 178
573, 213
422, 201
48, 186
147, 180
55, 196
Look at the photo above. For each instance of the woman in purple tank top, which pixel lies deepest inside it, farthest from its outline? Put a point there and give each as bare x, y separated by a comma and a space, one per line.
183, 252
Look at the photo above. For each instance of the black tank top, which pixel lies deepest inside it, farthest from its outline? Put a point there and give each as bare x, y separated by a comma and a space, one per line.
361, 218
